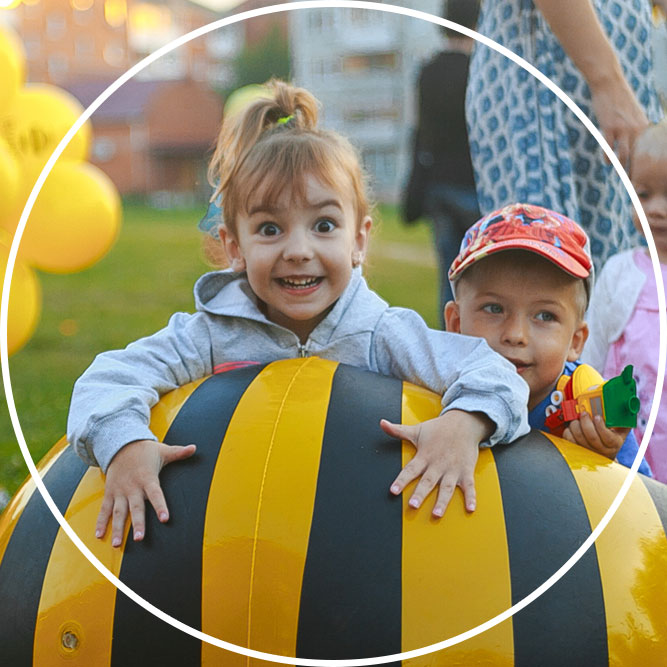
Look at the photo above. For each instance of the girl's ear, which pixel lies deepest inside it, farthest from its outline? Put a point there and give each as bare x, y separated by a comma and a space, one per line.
361, 241
579, 338
232, 248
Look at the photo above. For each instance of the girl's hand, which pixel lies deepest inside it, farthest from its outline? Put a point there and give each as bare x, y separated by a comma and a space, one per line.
447, 451
592, 433
132, 477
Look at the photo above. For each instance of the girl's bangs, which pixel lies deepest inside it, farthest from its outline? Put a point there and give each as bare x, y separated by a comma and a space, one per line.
284, 168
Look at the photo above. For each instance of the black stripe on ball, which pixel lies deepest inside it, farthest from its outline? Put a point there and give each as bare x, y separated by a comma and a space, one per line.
658, 492
166, 568
546, 521
351, 595
26, 558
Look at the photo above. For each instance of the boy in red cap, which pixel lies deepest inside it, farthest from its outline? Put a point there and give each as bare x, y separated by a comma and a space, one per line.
528, 299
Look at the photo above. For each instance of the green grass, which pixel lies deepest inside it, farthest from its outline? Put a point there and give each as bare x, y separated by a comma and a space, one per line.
130, 293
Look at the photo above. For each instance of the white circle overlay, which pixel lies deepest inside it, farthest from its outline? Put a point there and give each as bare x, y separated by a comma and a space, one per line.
292, 6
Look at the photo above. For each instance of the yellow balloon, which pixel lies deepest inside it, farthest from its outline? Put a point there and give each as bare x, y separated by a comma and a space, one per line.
242, 97
25, 302
12, 65
10, 175
75, 220
38, 119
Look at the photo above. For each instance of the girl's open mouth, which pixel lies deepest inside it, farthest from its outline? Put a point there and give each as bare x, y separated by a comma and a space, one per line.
300, 283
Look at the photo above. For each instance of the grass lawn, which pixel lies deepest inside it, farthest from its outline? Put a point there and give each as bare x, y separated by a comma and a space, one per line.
148, 275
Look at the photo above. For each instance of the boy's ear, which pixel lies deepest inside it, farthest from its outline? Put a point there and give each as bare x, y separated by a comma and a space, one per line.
578, 341
232, 248
452, 317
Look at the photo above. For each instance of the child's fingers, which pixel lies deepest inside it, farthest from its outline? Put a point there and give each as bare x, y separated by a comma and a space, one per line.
411, 471
400, 431
103, 516
574, 433
568, 435
171, 453
425, 485
137, 507
118, 518
445, 493
611, 438
469, 493
590, 432
157, 500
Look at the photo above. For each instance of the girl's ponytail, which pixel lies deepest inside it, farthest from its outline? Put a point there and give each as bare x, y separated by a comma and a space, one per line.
272, 146
287, 108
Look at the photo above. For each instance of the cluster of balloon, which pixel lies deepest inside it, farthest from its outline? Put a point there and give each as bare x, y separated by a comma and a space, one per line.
76, 216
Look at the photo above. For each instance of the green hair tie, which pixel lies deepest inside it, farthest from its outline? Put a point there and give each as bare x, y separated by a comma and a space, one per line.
285, 119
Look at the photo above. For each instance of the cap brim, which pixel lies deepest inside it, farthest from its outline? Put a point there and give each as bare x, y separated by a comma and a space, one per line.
561, 259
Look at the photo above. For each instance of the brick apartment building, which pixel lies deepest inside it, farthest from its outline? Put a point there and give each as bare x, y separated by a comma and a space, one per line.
154, 135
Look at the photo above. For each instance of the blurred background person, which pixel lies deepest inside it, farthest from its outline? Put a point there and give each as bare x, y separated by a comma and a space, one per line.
441, 185
527, 145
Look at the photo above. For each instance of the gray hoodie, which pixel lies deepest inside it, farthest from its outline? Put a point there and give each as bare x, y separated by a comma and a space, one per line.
111, 401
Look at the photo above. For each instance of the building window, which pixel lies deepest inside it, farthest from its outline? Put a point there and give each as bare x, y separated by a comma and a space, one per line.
382, 61
32, 10
355, 64
315, 20
359, 15
114, 54
81, 5
57, 66
55, 26
83, 13
103, 149
372, 115
84, 46
371, 62
199, 69
381, 163
33, 47
221, 75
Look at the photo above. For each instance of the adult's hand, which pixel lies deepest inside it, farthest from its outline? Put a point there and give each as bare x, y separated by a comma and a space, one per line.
619, 115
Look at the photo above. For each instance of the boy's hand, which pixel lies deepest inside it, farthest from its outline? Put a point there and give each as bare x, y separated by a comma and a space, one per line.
447, 451
592, 433
132, 477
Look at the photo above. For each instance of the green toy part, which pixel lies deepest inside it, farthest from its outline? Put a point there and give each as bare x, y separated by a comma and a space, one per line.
621, 403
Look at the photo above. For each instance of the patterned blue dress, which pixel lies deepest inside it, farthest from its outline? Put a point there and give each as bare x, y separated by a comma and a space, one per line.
527, 145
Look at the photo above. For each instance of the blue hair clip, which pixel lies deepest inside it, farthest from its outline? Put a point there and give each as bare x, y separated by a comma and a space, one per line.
212, 218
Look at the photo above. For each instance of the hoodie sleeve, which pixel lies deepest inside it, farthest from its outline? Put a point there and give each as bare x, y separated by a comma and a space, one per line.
111, 401
464, 370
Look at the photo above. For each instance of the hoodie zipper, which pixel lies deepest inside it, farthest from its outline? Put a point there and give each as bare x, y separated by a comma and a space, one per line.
303, 351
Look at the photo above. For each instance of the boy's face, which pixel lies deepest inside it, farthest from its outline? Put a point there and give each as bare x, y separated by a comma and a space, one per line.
529, 312
649, 178
298, 255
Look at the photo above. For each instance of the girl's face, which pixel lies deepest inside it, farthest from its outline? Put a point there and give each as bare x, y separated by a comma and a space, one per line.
298, 255
649, 177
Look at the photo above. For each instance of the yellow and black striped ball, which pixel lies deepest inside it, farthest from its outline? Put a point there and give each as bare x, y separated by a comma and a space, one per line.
283, 537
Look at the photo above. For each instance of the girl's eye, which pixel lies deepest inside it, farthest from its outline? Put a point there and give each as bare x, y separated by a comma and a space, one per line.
546, 316
493, 308
325, 226
268, 229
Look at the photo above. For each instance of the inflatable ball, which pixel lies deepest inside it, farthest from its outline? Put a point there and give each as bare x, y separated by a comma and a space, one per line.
283, 537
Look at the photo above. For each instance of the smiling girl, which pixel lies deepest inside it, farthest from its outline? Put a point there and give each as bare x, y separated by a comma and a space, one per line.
295, 229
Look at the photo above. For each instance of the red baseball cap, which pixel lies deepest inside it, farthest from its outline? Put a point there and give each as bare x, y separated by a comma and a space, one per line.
527, 227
